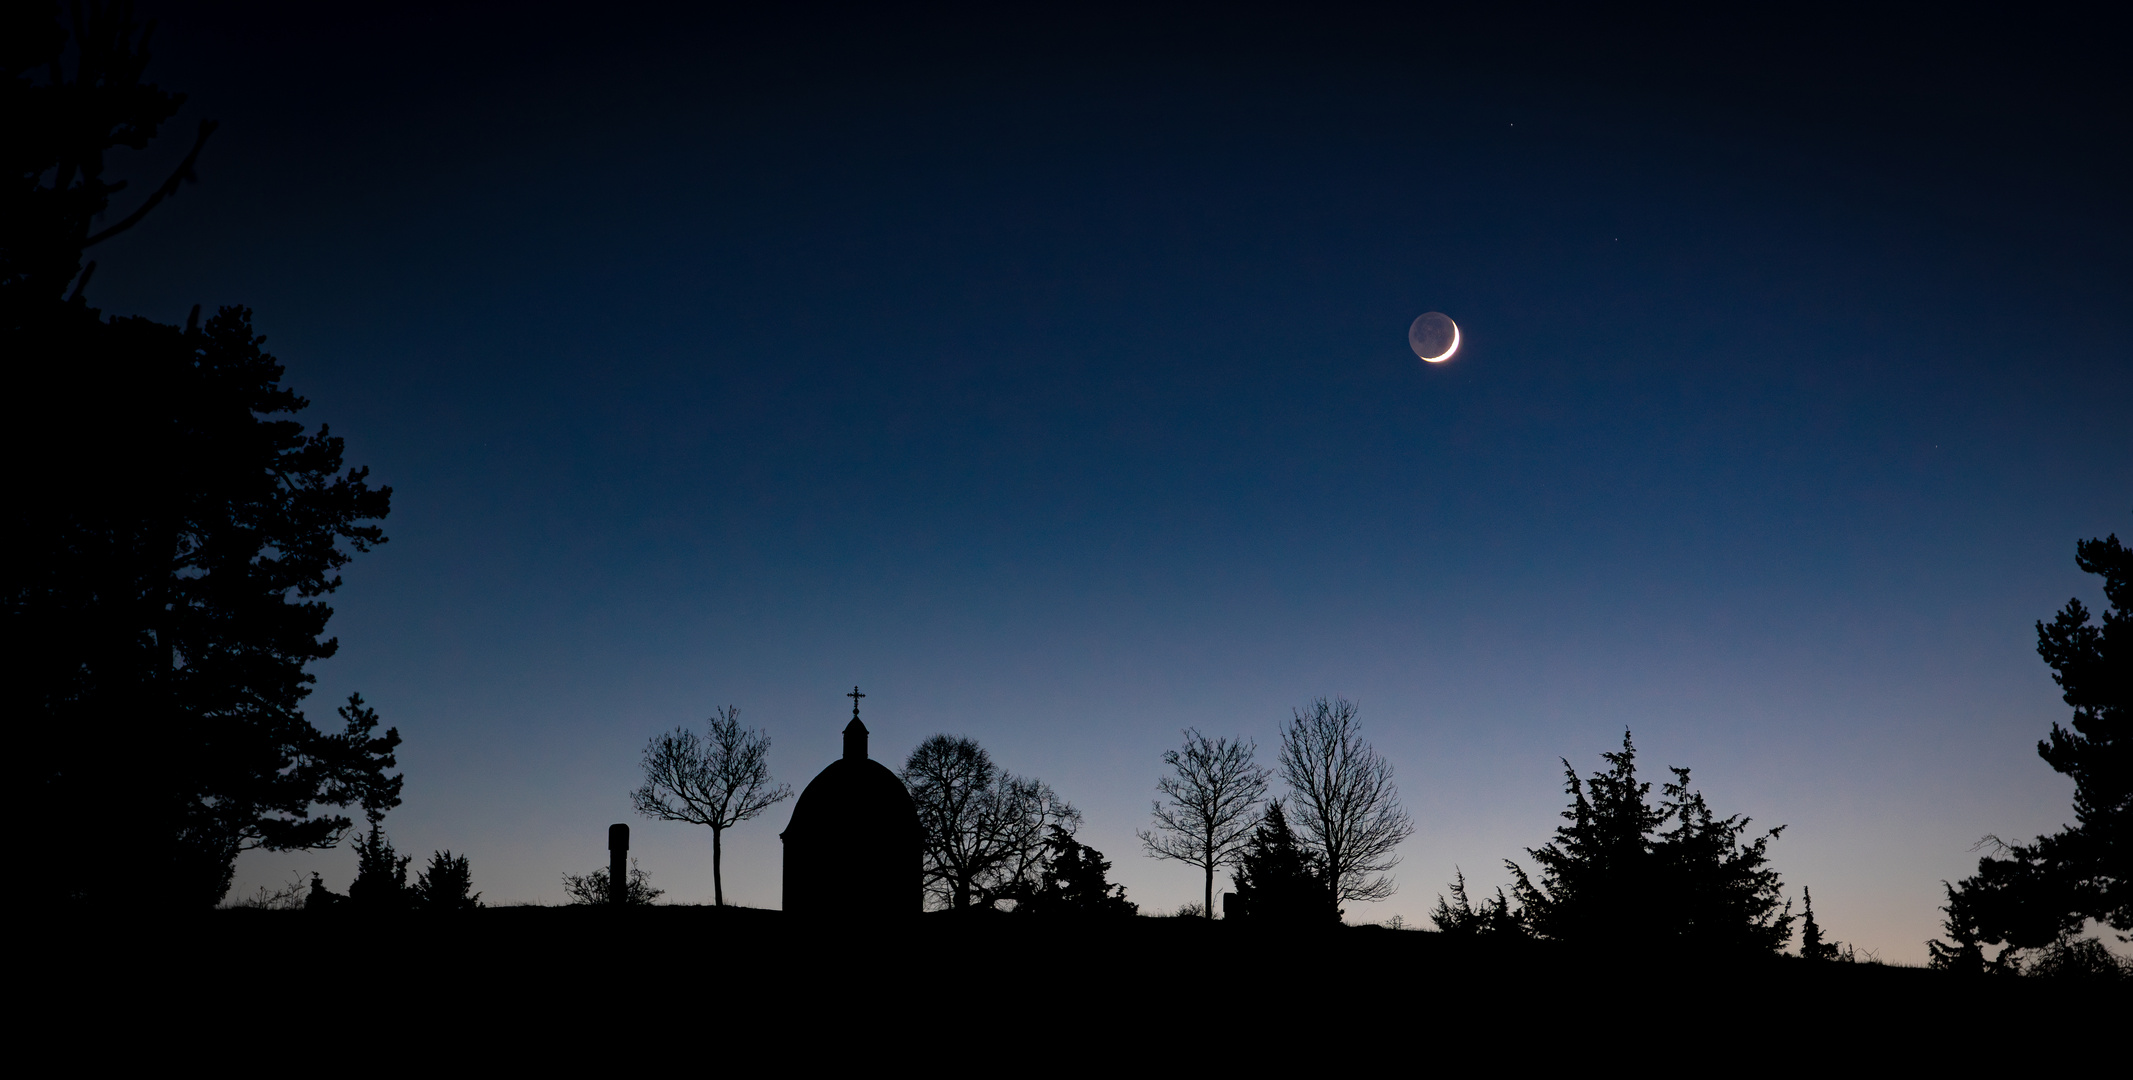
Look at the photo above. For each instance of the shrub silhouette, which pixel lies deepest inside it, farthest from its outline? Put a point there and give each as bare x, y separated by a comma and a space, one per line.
381, 874
321, 898
1812, 944
2079, 958
1073, 883
1462, 919
1277, 880
1613, 877
447, 885
592, 888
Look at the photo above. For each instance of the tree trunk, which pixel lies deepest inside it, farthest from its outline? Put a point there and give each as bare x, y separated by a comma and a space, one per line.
718, 887
1333, 891
1210, 912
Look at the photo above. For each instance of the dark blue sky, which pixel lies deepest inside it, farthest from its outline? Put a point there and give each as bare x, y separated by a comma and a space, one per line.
1048, 379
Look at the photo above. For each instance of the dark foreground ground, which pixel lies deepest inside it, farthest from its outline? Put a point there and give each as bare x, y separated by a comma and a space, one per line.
705, 991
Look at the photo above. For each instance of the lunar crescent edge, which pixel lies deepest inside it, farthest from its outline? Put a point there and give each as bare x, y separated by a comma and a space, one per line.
1447, 354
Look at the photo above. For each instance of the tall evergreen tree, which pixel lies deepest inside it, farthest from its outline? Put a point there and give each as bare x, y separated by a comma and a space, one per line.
2028, 896
169, 553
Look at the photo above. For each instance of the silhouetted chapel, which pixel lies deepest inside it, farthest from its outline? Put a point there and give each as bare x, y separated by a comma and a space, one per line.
854, 845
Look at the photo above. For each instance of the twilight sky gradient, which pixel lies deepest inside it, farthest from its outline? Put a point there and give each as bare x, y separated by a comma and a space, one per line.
1048, 379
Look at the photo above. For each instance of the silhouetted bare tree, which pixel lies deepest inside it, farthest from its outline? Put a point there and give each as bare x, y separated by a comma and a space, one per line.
986, 829
1214, 793
1343, 801
718, 781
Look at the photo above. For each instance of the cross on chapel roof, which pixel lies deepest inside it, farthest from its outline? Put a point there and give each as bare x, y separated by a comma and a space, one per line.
855, 733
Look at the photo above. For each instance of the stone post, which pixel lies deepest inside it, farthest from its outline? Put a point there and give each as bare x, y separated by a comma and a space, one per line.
618, 864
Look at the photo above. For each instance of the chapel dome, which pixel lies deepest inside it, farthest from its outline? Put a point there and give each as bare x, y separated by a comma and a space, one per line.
851, 793
854, 843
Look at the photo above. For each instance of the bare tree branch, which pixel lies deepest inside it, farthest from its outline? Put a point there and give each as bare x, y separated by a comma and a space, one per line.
1347, 808
181, 175
985, 828
1214, 799
718, 780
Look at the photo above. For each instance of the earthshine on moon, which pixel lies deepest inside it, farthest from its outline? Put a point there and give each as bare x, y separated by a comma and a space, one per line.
1434, 337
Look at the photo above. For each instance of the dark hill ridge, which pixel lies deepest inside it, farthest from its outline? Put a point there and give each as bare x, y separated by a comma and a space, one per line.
537, 986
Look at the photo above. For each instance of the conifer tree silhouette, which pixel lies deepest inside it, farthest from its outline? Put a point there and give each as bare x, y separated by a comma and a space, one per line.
1812, 947
1613, 877
381, 873
168, 557
1278, 880
1461, 918
2033, 895
447, 885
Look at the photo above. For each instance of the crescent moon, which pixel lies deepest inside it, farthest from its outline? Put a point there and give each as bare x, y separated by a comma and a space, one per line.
1447, 354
